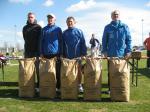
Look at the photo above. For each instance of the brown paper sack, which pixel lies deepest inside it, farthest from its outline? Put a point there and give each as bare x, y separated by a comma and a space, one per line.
119, 80
27, 77
69, 80
47, 78
92, 79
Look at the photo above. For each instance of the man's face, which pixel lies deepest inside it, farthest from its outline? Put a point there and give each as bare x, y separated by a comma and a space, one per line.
31, 18
51, 20
70, 23
115, 16
93, 35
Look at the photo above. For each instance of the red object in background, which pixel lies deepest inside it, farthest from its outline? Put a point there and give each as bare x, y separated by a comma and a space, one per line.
3, 58
1, 55
147, 43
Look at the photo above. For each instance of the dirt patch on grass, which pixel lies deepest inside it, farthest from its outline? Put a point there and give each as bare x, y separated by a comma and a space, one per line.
98, 110
3, 109
24, 109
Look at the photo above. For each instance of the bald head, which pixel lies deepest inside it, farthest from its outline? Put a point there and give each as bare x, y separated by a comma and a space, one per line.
115, 15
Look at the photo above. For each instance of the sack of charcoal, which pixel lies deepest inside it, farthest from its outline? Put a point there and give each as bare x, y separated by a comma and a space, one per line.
69, 79
119, 72
27, 77
47, 74
92, 79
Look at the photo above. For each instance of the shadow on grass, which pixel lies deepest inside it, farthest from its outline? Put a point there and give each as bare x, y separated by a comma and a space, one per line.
80, 99
5, 92
10, 84
8, 93
105, 85
144, 71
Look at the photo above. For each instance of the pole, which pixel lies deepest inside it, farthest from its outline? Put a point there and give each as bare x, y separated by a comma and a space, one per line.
15, 27
142, 31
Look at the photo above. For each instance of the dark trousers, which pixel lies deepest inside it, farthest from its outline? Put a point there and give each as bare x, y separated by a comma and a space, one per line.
108, 75
37, 62
148, 60
58, 68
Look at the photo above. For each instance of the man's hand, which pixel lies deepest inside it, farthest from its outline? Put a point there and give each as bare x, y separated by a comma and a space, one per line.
41, 56
83, 57
145, 46
105, 55
127, 56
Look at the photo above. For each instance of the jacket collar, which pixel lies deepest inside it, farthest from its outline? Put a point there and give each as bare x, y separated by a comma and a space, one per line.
71, 28
116, 24
50, 25
35, 22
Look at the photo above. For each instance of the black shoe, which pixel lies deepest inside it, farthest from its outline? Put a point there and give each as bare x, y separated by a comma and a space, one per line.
106, 92
37, 90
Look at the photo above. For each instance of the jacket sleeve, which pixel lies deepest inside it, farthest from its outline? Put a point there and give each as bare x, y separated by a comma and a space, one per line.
97, 41
90, 41
145, 42
83, 45
60, 42
104, 41
63, 44
128, 41
39, 39
41, 42
23, 33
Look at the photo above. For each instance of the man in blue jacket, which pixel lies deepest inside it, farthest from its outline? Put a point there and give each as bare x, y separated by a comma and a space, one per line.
74, 44
116, 40
51, 43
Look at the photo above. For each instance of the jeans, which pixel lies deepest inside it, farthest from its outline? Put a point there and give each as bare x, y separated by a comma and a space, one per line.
148, 60
108, 75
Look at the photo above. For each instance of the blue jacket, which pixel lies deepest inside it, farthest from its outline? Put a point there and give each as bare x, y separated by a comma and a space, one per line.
73, 43
116, 40
51, 40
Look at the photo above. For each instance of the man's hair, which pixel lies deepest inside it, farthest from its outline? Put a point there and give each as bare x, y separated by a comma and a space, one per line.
115, 11
93, 34
31, 13
70, 17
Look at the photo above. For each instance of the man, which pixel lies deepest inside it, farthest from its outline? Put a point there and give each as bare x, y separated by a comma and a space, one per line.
147, 46
51, 44
116, 40
74, 44
31, 35
94, 46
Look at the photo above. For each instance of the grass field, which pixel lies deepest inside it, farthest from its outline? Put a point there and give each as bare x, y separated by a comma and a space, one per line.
139, 100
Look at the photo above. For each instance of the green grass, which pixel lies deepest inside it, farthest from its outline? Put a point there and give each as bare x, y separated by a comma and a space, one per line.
139, 100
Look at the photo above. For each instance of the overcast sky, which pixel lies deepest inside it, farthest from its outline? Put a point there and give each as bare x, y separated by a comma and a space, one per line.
91, 16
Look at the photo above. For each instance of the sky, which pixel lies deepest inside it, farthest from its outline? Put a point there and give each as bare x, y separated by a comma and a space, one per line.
91, 17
